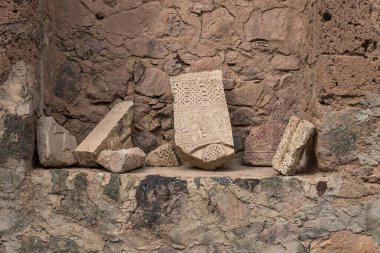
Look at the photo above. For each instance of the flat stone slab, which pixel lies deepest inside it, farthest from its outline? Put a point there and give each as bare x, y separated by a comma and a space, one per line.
55, 144
261, 144
112, 133
201, 120
121, 161
292, 146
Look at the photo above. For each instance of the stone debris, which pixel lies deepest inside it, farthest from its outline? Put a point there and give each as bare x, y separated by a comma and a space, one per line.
261, 144
55, 144
121, 161
292, 146
163, 156
112, 133
201, 120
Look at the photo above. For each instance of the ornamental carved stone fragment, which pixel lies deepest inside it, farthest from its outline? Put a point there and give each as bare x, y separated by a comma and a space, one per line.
202, 124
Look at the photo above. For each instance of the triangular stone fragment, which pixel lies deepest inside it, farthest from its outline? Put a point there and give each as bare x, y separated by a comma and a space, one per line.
201, 120
163, 156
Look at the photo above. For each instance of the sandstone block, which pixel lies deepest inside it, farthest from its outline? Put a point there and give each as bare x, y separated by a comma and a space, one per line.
112, 133
55, 144
201, 119
163, 156
261, 144
292, 146
122, 160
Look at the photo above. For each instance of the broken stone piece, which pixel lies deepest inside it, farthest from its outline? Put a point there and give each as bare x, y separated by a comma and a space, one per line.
289, 153
55, 145
163, 156
260, 145
112, 133
121, 161
201, 120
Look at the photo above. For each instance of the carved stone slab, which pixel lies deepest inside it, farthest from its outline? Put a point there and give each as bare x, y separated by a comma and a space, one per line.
292, 146
112, 133
201, 120
261, 144
55, 145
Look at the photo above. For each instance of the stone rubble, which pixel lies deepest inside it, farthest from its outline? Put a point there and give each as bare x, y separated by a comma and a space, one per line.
55, 145
121, 161
201, 120
289, 153
112, 133
163, 156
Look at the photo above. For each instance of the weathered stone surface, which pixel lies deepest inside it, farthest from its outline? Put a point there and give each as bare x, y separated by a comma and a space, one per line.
163, 156
67, 85
247, 95
121, 161
202, 123
261, 144
112, 133
132, 22
292, 146
55, 145
345, 241
153, 83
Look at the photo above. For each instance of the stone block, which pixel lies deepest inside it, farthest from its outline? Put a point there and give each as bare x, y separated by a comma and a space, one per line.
112, 133
163, 156
55, 144
261, 144
121, 161
289, 153
201, 119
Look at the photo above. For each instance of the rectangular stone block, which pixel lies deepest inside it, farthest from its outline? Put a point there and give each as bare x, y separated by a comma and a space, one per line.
261, 144
201, 119
292, 146
112, 133
55, 145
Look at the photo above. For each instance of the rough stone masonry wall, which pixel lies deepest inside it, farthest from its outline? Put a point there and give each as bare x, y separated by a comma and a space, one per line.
100, 52
315, 59
19, 36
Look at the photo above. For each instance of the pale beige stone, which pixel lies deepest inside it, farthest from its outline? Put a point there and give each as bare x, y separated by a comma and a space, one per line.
163, 156
289, 153
112, 133
121, 161
201, 120
55, 145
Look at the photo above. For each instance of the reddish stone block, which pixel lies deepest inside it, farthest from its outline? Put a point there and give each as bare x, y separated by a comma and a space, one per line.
261, 144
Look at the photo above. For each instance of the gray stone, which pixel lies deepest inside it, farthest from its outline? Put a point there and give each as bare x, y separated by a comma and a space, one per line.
55, 144
122, 160
112, 133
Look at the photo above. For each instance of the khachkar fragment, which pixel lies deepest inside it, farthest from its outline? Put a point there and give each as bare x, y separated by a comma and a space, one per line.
112, 133
55, 145
260, 145
121, 161
202, 124
163, 156
292, 146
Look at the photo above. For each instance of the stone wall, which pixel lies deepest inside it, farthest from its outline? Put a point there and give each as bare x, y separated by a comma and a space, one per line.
101, 52
315, 59
94, 211
279, 58
19, 36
